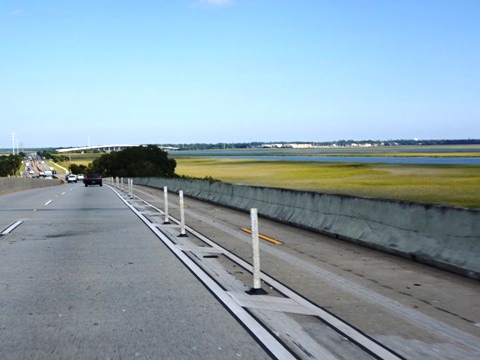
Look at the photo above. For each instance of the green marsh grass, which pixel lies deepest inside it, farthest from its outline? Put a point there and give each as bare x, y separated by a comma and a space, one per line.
456, 185
79, 159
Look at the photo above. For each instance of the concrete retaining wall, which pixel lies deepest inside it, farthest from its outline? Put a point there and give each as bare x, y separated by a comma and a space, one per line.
12, 184
442, 236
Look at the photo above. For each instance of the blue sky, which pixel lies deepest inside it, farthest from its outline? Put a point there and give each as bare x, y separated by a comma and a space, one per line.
213, 71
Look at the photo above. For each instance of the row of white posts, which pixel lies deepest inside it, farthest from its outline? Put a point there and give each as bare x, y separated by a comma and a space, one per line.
257, 285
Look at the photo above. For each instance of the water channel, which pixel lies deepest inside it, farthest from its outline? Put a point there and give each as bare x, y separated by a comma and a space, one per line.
319, 155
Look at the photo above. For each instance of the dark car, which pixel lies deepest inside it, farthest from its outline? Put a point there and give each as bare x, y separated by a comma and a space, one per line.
92, 179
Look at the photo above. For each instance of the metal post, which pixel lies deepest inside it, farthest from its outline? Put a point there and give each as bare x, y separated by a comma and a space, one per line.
257, 284
182, 215
165, 197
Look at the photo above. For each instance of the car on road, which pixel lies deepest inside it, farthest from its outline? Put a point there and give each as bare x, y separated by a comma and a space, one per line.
93, 179
71, 178
80, 177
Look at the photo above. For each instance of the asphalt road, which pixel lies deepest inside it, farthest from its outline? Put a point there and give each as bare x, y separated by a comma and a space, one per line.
83, 278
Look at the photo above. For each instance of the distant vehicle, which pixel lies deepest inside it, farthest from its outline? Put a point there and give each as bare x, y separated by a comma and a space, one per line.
92, 179
42, 173
48, 174
71, 178
80, 177
31, 172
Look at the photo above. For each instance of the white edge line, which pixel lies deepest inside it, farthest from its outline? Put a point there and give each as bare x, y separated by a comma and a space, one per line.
270, 342
48, 202
11, 227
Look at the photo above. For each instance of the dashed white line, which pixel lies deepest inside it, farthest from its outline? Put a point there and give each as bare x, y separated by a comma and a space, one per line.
48, 202
11, 227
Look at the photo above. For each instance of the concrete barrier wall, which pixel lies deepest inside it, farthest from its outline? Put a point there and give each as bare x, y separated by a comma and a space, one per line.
12, 184
442, 236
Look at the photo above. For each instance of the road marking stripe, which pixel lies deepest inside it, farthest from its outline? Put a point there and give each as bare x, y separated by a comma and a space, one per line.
48, 202
264, 237
11, 227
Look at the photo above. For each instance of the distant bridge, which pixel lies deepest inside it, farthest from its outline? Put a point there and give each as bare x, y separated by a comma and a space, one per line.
112, 147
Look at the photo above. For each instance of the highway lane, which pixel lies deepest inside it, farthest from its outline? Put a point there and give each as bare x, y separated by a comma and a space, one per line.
82, 277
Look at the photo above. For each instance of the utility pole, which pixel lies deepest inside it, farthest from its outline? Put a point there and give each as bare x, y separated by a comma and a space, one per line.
13, 142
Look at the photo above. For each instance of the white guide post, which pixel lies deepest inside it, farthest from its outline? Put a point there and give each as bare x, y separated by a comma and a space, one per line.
257, 285
165, 198
182, 215
130, 187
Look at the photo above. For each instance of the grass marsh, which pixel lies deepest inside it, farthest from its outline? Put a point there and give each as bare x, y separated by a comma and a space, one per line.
79, 159
457, 185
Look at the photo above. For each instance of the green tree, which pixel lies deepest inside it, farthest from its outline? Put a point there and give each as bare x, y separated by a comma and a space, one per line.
136, 161
10, 164
78, 169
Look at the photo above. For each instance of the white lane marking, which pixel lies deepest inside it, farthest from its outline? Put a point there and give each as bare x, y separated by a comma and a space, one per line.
11, 227
48, 202
63, 193
265, 337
